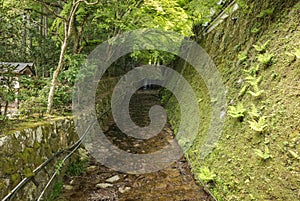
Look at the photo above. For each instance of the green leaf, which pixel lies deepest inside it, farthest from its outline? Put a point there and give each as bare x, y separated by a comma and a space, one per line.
259, 125
263, 155
206, 175
237, 112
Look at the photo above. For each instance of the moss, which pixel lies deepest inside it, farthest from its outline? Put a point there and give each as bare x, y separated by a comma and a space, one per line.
28, 155
36, 145
28, 172
8, 166
15, 179
240, 173
12, 126
2, 184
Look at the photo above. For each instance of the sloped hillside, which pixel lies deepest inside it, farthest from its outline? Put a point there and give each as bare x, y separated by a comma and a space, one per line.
257, 51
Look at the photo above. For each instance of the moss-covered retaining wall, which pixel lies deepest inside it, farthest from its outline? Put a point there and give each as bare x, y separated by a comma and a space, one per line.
22, 151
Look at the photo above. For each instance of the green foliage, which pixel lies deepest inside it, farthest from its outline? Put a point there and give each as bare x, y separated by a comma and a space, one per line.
265, 59
242, 56
258, 125
254, 81
253, 71
59, 166
202, 12
263, 155
237, 112
266, 12
261, 48
32, 96
243, 90
297, 53
7, 87
76, 168
243, 4
255, 30
294, 154
56, 191
167, 15
206, 175
256, 93
73, 63
254, 113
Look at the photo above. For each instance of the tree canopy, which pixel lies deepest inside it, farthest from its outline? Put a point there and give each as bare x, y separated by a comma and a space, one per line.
52, 33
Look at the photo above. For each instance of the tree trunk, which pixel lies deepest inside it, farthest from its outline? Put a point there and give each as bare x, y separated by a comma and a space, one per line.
5, 109
68, 25
56, 73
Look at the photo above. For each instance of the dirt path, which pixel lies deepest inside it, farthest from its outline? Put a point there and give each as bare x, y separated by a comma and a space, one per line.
100, 183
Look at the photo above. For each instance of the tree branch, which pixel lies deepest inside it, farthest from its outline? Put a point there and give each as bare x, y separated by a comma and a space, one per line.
50, 9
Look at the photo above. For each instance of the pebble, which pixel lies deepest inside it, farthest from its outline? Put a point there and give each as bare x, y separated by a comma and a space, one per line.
104, 185
113, 179
161, 186
68, 187
124, 189
91, 168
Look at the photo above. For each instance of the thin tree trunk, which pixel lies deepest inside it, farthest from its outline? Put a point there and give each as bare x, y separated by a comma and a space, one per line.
5, 109
68, 25
55, 74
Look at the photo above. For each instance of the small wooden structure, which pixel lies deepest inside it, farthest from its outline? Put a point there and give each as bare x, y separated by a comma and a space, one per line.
18, 69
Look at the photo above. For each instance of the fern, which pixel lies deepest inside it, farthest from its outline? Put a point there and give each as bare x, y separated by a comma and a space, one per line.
261, 48
237, 112
256, 93
266, 12
254, 114
253, 70
253, 81
243, 91
297, 53
263, 155
258, 126
265, 59
294, 154
206, 175
59, 166
242, 56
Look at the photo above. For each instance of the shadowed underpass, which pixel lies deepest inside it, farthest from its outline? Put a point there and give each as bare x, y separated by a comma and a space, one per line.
101, 183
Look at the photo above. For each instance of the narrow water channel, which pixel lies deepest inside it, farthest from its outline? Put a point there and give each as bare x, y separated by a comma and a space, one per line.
100, 183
